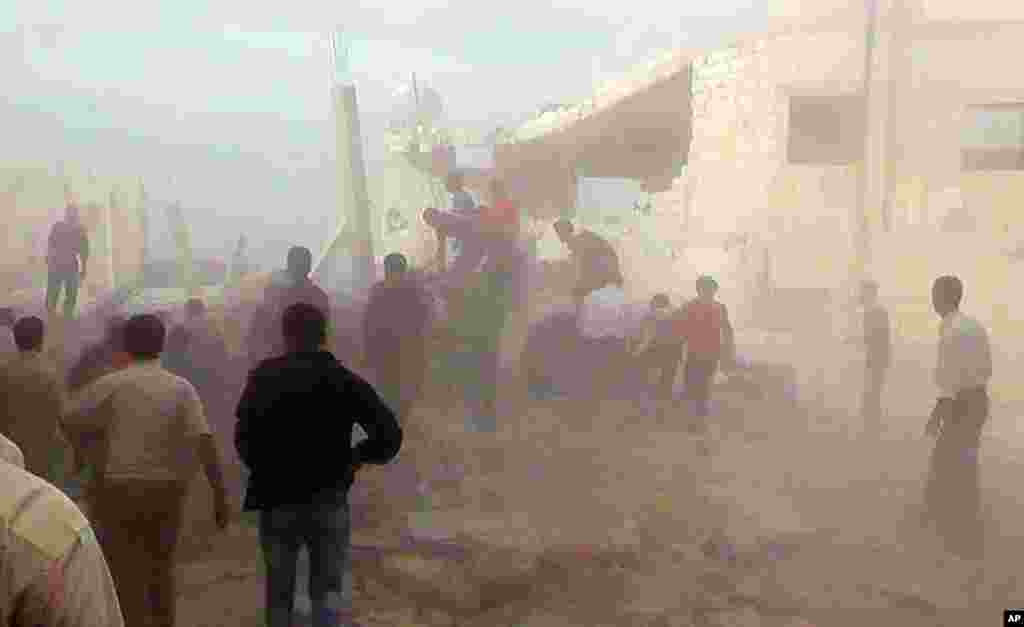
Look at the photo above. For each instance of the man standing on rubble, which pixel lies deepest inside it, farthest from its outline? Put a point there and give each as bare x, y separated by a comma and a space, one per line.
478, 317
962, 373
66, 258
395, 328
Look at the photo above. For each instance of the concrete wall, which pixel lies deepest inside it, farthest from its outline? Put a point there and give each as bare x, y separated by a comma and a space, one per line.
945, 77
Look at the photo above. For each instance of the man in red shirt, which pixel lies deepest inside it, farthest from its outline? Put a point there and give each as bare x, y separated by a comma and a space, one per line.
66, 257
502, 216
705, 328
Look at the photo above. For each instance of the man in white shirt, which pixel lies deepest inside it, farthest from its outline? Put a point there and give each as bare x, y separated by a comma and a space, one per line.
962, 373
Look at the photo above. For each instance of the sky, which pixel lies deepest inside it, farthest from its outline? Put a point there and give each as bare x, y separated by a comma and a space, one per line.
234, 96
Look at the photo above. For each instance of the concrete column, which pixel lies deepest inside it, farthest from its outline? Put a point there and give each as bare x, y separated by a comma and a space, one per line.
353, 198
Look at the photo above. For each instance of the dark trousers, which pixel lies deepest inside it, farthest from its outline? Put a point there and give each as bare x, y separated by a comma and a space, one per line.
69, 281
139, 522
699, 373
323, 528
952, 493
871, 399
663, 358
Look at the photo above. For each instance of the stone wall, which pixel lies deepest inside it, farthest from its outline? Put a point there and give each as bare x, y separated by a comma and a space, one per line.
737, 159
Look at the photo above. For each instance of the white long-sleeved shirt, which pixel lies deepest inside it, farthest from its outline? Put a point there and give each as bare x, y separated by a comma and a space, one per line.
964, 356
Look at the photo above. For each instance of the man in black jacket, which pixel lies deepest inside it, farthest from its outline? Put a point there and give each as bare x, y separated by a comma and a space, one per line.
302, 462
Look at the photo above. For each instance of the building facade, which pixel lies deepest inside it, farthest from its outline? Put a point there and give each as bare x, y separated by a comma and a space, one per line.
780, 134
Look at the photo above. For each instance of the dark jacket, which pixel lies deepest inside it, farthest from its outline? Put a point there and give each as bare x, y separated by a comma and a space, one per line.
294, 430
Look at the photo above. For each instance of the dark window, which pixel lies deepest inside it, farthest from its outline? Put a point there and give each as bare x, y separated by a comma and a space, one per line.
825, 130
993, 138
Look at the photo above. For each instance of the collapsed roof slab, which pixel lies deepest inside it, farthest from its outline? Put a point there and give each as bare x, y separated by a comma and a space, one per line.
643, 135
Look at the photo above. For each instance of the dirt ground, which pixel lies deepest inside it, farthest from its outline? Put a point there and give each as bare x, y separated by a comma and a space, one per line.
776, 516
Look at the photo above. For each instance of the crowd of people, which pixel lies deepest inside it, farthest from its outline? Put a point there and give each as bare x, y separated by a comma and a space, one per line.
152, 402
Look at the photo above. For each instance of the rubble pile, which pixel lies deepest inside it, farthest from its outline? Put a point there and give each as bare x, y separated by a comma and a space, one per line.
624, 517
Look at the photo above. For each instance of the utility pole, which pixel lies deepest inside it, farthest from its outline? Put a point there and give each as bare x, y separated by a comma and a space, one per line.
862, 225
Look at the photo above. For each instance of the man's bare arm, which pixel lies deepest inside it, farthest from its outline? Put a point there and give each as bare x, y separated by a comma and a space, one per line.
210, 459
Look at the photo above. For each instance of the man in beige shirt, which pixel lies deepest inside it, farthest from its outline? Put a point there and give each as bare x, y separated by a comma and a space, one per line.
155, 428
53, 574
31, 402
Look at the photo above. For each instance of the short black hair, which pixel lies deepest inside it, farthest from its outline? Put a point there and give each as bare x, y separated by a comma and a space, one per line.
29, 333
114, 332
144, 336
395, 263
950, 288
195, 307
304, 327
300, 261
